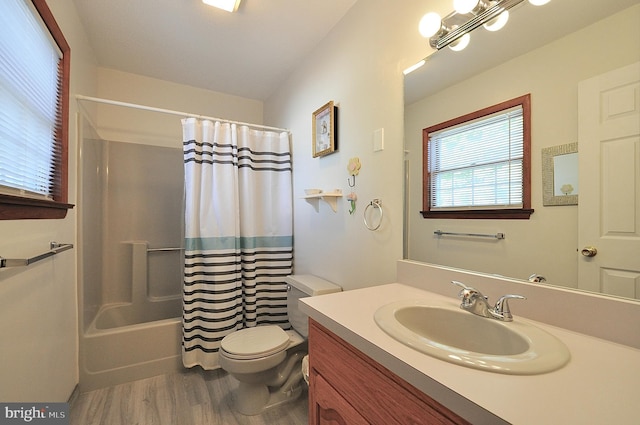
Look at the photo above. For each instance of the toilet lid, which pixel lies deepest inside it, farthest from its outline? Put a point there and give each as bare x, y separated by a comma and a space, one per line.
255, 342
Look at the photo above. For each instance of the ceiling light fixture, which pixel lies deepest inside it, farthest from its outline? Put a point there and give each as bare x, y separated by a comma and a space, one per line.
453, 30
228, 5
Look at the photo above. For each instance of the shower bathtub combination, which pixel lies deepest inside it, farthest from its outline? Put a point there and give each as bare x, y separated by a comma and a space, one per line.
129, 341
131, 219
131, 261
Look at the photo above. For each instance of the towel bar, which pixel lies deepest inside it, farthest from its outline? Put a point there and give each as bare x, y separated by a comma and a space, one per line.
164, 249
55, 248
477, 235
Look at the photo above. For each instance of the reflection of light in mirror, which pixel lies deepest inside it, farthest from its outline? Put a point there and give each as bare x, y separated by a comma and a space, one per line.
498, 22
539, 2
414, 67
460, 43
464, 6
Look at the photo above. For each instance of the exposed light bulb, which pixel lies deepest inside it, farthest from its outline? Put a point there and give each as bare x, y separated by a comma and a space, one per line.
539, 2
464, 6
460, 43
498, 22
430, 24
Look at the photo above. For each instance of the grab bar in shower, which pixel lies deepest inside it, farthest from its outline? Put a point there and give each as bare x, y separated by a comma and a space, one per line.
55, 248
164, 249
476, 235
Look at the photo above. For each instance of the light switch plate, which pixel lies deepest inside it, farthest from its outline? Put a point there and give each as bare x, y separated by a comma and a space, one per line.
378, 140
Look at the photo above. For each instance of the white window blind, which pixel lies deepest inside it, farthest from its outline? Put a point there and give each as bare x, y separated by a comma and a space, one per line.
478, 164
30, 96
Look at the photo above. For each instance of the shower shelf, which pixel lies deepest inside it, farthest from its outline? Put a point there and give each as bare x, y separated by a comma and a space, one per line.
330, 198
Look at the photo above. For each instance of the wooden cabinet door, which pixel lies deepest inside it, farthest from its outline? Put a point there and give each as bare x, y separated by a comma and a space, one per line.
327, 407
354, 389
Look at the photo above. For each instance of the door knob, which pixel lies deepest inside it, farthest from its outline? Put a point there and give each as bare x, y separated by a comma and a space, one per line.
589, 251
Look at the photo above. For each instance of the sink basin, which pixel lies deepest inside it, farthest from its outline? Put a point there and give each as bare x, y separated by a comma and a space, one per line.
457, 336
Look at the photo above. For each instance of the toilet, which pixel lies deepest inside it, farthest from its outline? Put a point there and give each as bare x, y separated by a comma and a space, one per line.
266, 360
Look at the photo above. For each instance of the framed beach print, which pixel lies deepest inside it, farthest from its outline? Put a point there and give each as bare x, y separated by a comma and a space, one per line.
325, 126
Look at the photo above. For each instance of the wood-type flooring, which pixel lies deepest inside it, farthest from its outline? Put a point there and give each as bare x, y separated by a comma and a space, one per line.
192, 397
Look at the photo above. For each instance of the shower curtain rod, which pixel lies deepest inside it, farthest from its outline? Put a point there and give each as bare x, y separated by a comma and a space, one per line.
171, 112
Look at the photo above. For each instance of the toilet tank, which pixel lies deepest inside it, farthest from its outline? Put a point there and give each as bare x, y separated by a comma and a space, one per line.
301, 286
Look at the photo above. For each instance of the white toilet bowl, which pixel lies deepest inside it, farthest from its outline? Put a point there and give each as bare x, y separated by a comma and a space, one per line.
267, 360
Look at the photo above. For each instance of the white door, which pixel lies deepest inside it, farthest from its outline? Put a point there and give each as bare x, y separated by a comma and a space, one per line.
609, 203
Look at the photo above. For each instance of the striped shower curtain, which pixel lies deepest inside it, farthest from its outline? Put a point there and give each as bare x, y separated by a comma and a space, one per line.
238, 233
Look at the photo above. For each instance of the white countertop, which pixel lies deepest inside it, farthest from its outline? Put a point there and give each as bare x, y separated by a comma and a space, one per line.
600, 385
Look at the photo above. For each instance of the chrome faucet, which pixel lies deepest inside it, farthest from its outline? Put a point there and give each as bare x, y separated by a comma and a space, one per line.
536, 278
476, 303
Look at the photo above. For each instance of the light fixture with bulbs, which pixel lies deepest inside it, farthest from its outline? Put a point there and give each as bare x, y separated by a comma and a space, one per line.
453, 30
228, 5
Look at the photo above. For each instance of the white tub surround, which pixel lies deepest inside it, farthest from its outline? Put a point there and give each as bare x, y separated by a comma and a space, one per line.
599, 385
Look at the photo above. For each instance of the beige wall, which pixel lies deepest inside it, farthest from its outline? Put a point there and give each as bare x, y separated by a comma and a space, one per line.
358, 66
545, 244
38, 309
118, 123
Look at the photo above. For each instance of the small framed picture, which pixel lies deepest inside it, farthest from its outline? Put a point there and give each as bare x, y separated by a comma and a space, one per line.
325, 130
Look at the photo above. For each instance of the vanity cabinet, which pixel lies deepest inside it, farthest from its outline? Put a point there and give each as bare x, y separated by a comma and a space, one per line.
348, 388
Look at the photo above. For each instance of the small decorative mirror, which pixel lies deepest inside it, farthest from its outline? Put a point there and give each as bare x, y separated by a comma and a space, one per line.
560, 175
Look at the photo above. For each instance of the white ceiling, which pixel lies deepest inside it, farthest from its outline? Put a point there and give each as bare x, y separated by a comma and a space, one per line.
248, 53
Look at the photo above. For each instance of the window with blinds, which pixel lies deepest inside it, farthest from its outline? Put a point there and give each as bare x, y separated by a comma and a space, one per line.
477, 163
34, 74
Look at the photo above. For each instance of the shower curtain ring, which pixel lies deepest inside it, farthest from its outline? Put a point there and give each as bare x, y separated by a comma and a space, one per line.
350, 181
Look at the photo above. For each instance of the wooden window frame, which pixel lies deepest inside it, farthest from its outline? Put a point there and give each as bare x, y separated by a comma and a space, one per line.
522, 213
19, 208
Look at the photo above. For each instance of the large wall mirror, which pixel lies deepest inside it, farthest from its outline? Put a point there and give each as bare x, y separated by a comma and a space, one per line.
546, 51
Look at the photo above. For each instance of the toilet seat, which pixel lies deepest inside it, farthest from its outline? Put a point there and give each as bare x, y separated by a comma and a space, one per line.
252, 343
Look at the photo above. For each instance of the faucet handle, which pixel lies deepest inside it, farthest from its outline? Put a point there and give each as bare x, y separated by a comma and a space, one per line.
502, 306
460, 284
467, 294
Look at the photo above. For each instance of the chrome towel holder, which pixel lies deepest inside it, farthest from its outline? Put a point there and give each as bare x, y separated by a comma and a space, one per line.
54, 248
376, 204
475, 235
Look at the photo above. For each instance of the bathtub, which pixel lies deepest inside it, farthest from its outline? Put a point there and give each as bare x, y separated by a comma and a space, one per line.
123, 345
128, 314
135, 340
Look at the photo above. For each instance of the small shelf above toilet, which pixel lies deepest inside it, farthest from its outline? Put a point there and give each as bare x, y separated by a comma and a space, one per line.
330, 197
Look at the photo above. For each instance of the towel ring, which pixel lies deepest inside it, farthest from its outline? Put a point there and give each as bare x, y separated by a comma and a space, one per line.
376, 204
